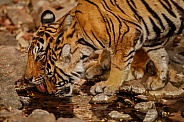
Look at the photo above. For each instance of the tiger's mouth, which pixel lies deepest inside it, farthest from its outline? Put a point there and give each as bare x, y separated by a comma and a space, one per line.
41, 87
39, 83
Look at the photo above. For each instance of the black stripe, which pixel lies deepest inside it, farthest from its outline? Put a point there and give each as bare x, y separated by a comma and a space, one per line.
130, 53
129, 58
124, 32
168, 9
70, 35
106, 5
78, 11
104, 19
179, 8
181, 27
112, 3
154, 14
41, 40
113, 30
133, 3
167, 2
155, 28
97, 39
171, 25
84, 42
120, 8
153, 49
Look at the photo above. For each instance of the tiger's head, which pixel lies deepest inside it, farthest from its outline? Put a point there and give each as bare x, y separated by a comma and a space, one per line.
39, 49
51, 65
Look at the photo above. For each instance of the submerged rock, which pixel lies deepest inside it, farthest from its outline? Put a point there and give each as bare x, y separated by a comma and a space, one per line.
119, 116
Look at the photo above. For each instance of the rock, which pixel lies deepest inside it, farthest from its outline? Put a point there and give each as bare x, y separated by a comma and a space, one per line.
102, 98
10, 113
151, 115
7, 39
143, 107
119, 116
176, 117
69, 120
169, 91
39, 115
168, 102
21, 18
3, 2
12, 68
133, 86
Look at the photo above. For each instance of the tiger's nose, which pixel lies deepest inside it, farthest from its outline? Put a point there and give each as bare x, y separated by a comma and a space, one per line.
28, 79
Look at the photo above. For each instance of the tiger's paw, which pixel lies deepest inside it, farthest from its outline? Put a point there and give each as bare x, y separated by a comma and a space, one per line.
154, 83
101, 87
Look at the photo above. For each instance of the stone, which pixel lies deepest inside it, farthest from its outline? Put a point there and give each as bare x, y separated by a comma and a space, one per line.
143, 107
39, 115
12, 68
103, 98
7, 39
119, 116
151, 115
69, 120
10, 113
133, 86
169, 91
20, 17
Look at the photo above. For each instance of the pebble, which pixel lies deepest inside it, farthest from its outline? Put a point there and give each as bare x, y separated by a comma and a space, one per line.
119, 116
102, 98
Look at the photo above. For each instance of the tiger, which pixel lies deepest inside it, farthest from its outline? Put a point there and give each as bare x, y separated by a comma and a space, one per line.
122, 27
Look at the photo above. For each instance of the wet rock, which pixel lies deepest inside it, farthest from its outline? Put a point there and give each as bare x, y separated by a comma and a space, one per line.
69, 120
144, 106
102, 98
167, 102
142, 97
119, 116
133, 86
176, 117
129, 102
39, 115
12, 68
169, 91
177, 79
151, 115
25, 100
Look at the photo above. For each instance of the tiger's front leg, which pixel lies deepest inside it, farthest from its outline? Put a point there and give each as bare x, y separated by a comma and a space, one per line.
120, 67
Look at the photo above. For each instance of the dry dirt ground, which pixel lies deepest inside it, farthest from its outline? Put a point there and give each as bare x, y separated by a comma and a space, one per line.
18, 21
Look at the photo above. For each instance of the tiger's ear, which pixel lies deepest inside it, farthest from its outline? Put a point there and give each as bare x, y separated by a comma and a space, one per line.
67, 22
47, 17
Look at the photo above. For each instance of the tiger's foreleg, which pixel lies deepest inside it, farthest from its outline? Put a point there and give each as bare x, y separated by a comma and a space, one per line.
160, 59
120, 65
